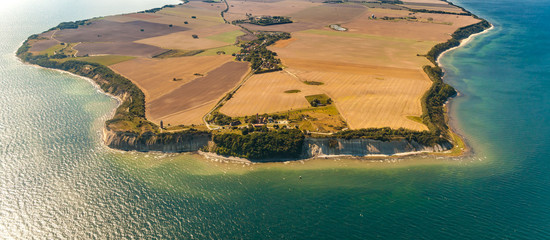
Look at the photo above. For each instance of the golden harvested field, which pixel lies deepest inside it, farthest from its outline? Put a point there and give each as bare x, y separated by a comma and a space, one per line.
155, 77
192, 116
344, 47
184, 40
369, 96
265, 93
439, 29
238, 9
329, 14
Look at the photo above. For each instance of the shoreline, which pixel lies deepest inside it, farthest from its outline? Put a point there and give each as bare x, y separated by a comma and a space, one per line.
463, 43
467, 150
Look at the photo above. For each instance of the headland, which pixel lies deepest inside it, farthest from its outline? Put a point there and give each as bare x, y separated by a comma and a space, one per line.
270, 81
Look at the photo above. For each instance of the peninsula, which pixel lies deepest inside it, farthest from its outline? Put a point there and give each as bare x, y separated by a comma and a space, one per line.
271, 80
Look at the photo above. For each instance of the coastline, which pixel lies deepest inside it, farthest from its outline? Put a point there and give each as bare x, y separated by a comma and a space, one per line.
139, 138
463, 43
467, 150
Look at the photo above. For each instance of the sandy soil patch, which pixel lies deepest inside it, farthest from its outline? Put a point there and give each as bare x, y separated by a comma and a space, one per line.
197, 93
155, 77
265, 93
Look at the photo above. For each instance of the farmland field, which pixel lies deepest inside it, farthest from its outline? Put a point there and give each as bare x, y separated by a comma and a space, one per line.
156, 77
199, 92
374, 97
267, 92
185, 59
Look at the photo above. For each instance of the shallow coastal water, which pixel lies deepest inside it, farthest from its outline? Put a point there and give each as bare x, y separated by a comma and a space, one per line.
58, 181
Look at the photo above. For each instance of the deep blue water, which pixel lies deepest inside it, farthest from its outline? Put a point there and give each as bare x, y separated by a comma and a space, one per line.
58, 181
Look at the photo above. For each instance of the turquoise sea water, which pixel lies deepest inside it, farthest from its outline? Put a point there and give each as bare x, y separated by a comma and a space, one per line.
58, 181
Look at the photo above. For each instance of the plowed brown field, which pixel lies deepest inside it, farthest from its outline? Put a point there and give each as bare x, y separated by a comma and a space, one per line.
155, 77
200, 92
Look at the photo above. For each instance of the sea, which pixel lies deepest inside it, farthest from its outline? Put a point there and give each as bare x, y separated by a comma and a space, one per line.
58, 181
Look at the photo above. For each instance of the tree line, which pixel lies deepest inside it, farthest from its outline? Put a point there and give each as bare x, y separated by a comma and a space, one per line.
282, 144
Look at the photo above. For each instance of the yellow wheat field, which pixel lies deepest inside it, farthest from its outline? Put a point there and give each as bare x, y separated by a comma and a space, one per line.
372, 96
265, 93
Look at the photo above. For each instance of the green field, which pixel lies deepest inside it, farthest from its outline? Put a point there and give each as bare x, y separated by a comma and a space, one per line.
323, 99
52, 50
228, 37
416, 119
230, 49
103, 60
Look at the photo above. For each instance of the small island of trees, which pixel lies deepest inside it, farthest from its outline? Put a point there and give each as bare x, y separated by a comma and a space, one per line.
265, 20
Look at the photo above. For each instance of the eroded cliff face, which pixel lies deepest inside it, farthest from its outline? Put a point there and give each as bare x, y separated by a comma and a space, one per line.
314, 147
151, 142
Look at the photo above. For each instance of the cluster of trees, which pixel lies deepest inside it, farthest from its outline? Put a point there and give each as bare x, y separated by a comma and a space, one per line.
285, 144
265, 21
397, 18
256, 52
458, 35
438, 12
70, 25
465, 32
251, 129
437, 95
391, 1
59, 56
221, 119
154, 10
428, 138
433, 100
132, 108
